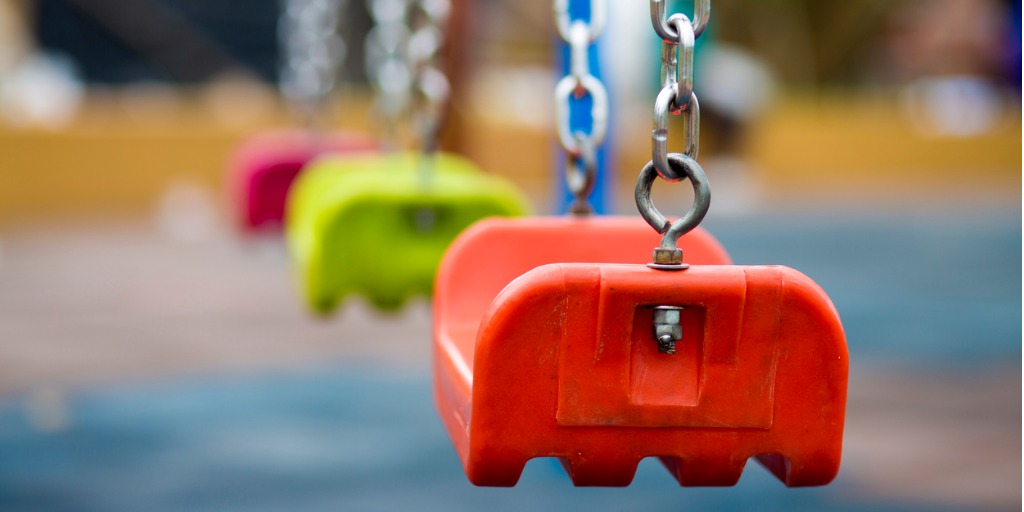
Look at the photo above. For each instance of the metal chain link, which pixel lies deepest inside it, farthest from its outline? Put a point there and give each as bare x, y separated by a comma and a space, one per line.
580, 146
676, 97
664, 29
403, 52
312, 51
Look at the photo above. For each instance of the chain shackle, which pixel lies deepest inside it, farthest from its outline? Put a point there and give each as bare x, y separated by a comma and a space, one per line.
660, 19
685, 167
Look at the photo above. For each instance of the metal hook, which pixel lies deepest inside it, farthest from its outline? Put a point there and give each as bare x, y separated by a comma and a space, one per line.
668, 256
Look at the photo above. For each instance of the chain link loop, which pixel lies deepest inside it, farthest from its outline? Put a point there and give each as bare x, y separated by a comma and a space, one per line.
580, 145
677, 61
660, 20
691, 120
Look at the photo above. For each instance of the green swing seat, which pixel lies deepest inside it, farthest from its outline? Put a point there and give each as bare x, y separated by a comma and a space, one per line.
378, 225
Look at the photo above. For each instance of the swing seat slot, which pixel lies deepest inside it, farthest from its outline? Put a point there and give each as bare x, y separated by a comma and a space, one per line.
378, 225
261, 171
563, 363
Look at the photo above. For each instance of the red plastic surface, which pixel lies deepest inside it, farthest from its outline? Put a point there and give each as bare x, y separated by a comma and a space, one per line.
262, 169
563, 362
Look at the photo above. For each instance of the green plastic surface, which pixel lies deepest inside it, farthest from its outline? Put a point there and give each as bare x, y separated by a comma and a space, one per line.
377, 225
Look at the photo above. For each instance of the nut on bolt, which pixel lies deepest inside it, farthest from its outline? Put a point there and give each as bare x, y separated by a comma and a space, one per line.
668, 328
664, 256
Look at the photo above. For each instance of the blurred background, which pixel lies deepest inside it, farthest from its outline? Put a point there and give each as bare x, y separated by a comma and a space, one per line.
153, 358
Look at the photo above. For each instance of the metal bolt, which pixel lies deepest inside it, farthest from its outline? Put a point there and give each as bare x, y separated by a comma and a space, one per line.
668, 328
666, 345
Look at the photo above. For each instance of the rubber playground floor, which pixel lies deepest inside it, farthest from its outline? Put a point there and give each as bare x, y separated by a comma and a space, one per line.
143, 373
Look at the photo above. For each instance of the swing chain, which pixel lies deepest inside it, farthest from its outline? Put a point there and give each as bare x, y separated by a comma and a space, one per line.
580, 146
403, 54
676, 97
313, 51
386, 62
431, 90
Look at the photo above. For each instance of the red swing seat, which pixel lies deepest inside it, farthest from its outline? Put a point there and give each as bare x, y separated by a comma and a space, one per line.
539, 357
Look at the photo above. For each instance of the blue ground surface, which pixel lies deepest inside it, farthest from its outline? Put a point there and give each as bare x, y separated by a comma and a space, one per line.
913, 292
330, 439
